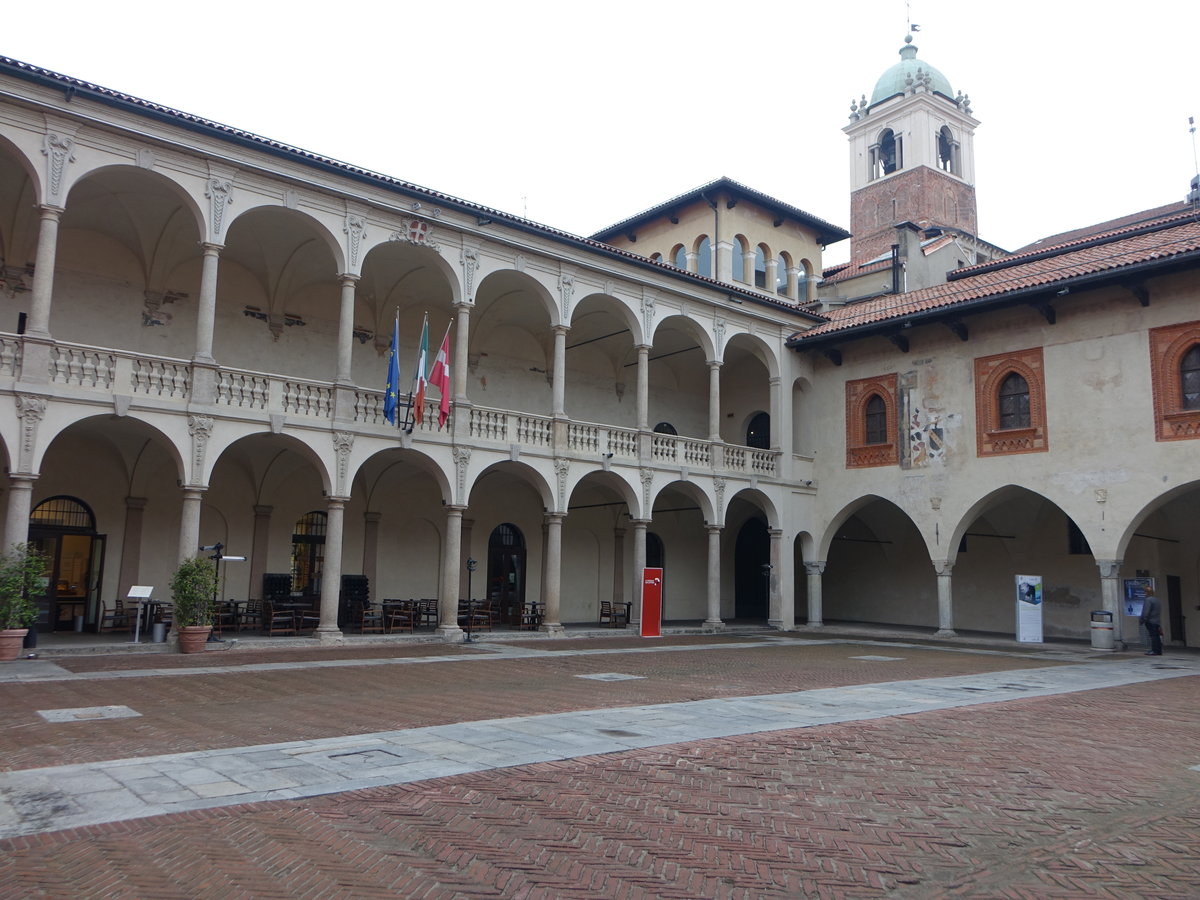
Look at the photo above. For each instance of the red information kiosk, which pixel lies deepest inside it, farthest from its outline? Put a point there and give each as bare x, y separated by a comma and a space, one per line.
652, 580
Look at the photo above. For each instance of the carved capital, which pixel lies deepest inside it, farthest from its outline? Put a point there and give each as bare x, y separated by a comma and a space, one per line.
200, 428
566, 287
355, 230
470, 262
59, 149
219, 192
719, 333
462, 458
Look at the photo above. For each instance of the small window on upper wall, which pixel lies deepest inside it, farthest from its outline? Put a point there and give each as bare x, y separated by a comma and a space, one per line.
875, 420
665, 428
760, 267
1175, 374
656, 257
704, 257
1014, 402
1189, 378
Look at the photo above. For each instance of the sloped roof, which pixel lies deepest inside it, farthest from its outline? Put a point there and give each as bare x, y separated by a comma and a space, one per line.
1152, 240
826, 232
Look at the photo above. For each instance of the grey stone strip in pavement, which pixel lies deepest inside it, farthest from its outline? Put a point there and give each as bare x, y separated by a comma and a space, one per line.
49, 799
24, 671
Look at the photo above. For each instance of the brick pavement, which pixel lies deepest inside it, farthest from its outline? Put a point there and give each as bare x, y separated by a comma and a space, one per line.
1001, 800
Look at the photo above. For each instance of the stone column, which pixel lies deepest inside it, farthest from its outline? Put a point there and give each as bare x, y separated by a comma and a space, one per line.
20, 502
260, 545
643, 387
552, 586
618, 587
639, 565
38, 325
458, 365
345, 349
776, 412
1110, 597
945, 598
772, 276
714, 400
206, 307
724, 263
560, 370
131, 545
815, 613
713, 622
371, 550
449, 589
189, 522
775, 611
331, 573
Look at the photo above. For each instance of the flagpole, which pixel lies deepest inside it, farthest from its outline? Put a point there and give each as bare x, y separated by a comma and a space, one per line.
409, 420
396, 335
444, 388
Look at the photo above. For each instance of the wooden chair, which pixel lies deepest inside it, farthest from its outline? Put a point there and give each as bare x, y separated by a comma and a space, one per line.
616, 616
429, 612
224, 616
252, 615
369, 619
277, 621
531, 617
308, 619
400, 616
117, 620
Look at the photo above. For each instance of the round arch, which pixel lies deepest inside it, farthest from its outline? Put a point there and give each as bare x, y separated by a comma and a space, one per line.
124, 174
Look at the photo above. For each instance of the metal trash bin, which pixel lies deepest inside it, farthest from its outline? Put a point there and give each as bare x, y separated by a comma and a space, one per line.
158, 632
79, 624
1102, 630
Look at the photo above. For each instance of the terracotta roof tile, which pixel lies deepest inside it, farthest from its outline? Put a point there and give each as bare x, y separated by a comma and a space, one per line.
1175, 236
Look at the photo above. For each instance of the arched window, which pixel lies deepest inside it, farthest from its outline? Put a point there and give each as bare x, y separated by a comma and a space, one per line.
1013, 402
803, 280
875, 420
760, 267
308, 553
656, 257
1189, 378
947, 151
758, 432
739, 260
781, 274
704, 257
665, 428
888, 155
679, 257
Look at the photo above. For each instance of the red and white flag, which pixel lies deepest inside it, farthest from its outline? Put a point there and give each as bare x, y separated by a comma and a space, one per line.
439, 377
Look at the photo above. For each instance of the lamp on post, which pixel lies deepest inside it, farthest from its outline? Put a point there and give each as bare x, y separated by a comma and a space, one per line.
766, 568
470, 600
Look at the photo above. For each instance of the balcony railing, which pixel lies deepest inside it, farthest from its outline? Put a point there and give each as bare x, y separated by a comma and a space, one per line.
118, 372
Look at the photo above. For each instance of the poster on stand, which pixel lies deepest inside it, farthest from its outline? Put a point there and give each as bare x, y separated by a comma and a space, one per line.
1029, 608
652, 602
1136, 591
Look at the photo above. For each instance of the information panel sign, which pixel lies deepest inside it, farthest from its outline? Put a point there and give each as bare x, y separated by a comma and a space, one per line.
652, 602
1029, 608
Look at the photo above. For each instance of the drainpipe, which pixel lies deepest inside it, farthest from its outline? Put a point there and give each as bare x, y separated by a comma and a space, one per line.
895, 268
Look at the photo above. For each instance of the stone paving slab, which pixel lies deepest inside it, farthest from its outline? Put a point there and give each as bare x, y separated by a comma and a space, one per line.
44, 799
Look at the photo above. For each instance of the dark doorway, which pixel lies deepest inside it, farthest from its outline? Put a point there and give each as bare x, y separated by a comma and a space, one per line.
758, 432
751, 552
308, 554
64, 529
506, 573
1175, 609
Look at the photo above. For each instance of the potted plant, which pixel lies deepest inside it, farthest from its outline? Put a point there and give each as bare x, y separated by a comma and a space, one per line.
22, 575
193, 587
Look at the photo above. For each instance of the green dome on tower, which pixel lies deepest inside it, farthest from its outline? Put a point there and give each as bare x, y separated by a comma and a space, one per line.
896, 80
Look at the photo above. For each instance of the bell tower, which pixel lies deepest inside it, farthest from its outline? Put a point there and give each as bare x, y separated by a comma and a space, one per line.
912, 157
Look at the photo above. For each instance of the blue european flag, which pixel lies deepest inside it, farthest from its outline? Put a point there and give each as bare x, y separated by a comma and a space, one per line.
391, 398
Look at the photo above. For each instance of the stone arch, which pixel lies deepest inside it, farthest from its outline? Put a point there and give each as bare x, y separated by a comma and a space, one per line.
122, 170
123, 433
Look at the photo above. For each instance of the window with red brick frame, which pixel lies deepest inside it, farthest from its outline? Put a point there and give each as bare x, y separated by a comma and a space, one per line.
1172, 355
1010, 417
871, 437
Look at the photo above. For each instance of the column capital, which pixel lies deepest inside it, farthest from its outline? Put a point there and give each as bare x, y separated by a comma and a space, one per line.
50, 211
208, 248
552, 518
943, 566
815, 568
345, 278
1109, 568
336, 502
640, 523
560, 329
713, 529
714, 363
372, 516
135, 502
260, 510
22, 480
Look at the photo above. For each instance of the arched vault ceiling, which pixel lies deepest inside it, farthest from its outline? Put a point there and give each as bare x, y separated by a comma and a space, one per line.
279, 244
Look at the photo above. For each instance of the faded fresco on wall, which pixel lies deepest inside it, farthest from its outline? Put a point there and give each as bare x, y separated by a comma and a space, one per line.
925, 432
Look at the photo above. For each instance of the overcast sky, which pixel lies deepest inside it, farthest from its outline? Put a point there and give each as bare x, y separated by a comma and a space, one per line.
580, 114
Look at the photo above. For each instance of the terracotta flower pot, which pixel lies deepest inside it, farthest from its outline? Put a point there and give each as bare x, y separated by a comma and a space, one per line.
192, 638
10, 642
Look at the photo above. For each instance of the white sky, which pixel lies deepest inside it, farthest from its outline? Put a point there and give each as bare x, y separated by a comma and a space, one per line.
580, 114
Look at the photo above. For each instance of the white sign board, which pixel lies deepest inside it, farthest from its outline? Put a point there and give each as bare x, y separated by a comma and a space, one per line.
1029, 608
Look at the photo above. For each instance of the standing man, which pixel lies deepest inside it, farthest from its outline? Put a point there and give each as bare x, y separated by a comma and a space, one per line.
1151, 619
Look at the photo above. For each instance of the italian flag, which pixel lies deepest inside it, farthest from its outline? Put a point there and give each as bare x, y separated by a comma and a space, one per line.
439, 377
422, 366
